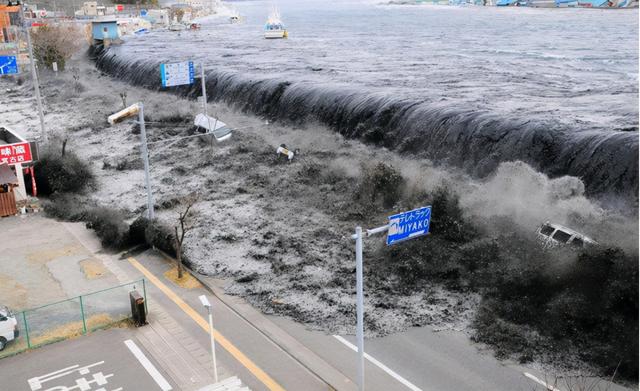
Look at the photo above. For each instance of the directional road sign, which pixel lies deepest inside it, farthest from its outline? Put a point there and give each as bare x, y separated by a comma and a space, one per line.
178, 73
408, 225
8, 65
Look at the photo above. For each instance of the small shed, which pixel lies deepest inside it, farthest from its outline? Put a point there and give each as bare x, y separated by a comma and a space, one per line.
8, 180
104, 31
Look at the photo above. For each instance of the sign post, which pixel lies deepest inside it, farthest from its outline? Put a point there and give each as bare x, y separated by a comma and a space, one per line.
204, 90
402, 226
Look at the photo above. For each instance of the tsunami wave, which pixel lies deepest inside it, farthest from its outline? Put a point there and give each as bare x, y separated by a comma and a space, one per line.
477, 141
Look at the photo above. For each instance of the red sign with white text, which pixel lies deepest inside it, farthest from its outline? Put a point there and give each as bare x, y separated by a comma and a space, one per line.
119, 7
12, 154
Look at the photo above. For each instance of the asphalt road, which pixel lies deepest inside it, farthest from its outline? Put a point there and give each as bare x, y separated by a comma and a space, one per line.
102, 359
421, 359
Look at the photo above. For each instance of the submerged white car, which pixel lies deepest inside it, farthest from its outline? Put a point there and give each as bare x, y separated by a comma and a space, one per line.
552, 235
8, 327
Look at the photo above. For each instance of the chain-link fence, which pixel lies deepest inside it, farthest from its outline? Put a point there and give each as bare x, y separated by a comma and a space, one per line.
68, 318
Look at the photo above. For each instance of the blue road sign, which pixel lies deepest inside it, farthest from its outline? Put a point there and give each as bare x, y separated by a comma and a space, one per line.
143, 13
408, 225
8, 65
177, 74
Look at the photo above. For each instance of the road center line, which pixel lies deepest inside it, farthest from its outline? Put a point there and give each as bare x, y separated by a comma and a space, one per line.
380, 365
220, 339
545, 385
151, 369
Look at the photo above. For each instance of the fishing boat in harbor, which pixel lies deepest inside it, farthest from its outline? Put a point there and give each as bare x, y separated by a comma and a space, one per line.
274, 28
177, 27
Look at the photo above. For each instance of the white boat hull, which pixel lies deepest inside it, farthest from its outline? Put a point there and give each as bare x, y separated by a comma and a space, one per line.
274, 34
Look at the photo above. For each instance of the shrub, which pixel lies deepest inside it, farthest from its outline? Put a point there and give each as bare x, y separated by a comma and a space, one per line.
447, 217
161, 237
65, 206
109, 226
58, 173
57, 44
137, 230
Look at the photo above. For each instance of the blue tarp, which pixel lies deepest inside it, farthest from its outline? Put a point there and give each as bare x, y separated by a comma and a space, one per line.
504, 3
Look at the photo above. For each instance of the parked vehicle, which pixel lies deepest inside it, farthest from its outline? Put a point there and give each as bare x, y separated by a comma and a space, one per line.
8, 327
552, 235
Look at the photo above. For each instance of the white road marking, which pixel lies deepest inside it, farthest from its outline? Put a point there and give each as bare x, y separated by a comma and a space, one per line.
35, 383
153, 372
380, 365
545, 385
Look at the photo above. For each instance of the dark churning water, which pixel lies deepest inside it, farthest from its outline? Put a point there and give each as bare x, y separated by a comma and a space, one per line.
466, 86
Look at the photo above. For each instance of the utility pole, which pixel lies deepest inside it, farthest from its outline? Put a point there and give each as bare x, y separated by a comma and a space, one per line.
204, 90
145, 158
34, 74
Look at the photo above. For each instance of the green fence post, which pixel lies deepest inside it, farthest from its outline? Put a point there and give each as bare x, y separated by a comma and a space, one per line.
26, 328
84, 322
144, 293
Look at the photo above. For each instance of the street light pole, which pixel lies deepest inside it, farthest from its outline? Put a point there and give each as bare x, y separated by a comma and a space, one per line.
34, 75
213, 346
204, 90
359, 308
207, 305
360, 298
145, 158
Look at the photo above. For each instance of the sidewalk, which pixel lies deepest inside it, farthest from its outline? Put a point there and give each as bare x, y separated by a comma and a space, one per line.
248, 345
186, 362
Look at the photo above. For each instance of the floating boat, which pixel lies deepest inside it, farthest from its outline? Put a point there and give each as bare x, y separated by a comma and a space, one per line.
274, 28
542, 3
177, 27
511, 3
219, 129
236, 18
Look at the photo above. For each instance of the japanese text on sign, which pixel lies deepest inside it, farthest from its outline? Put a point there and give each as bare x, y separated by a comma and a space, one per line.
176, 74
12, 154
408, 225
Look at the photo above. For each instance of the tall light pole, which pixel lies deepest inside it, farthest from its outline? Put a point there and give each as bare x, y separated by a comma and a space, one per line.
207, 305
145, 158
138, 108
34, 74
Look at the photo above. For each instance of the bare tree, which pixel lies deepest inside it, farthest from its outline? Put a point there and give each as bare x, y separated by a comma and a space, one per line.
184, 224
56, 43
